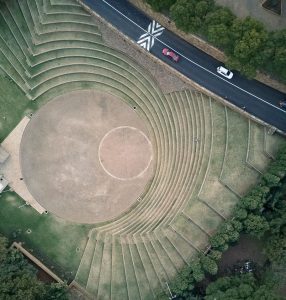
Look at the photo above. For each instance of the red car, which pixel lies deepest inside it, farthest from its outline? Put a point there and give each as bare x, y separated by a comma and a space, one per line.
170, 54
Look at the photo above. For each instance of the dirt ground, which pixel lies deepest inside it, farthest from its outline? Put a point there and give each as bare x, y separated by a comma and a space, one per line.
247, 248
86, 156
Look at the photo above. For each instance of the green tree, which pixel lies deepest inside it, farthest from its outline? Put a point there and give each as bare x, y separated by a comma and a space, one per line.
251, 202
240, 287
208, 264
277, 218
256, 225
220, 15
236, 224
219, 35
198, 272
218, 242
275, 249
183, 283
240, 213
215, 255
189, 15
266, 292
161, 5
230, 230
3, 248
248, 38
218, 23
255, 199
270, 180
278, 224
18, 279
182, 12
277, 53
278, 168
55, 291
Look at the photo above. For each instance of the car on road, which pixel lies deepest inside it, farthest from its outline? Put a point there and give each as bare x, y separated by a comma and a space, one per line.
224, 72
282, 104
170, 54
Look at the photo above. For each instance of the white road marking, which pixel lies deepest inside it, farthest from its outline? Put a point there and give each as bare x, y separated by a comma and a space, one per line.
147, 40
188, 59
123, 15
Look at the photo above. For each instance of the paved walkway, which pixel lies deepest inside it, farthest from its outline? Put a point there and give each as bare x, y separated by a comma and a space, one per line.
253, 8
11, 168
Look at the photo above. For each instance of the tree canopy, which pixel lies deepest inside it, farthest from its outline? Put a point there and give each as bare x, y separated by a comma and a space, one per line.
240, 287
18, 279
246, 42
161, 5
189, 15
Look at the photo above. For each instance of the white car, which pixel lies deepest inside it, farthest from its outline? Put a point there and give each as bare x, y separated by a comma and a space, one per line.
224, 72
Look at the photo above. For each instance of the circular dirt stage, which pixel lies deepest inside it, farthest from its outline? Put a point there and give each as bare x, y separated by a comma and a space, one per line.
86, 156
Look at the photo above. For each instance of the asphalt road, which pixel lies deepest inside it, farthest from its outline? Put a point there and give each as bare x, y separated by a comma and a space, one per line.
257, 98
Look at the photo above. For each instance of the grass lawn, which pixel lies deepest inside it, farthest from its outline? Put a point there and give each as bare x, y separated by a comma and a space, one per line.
14, 105
55, 241
235, 157
257, 157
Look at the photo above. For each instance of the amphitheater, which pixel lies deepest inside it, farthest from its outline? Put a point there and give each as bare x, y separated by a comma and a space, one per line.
202, 157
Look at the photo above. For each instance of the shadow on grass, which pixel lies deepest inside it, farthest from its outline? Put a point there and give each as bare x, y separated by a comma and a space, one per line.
59, 244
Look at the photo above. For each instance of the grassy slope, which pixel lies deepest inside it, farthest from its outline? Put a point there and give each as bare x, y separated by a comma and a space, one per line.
13, 105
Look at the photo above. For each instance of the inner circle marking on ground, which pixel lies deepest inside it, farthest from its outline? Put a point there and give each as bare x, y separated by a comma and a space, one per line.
149, 147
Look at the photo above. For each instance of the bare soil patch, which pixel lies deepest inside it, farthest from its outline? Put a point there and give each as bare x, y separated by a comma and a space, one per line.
125, 153
60, 157
247, 248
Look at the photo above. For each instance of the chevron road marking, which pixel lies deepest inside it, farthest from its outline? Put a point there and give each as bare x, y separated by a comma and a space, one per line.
147, 39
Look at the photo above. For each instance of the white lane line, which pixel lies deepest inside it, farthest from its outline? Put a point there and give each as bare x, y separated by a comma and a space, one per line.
188, 59
221, 78
123, 15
